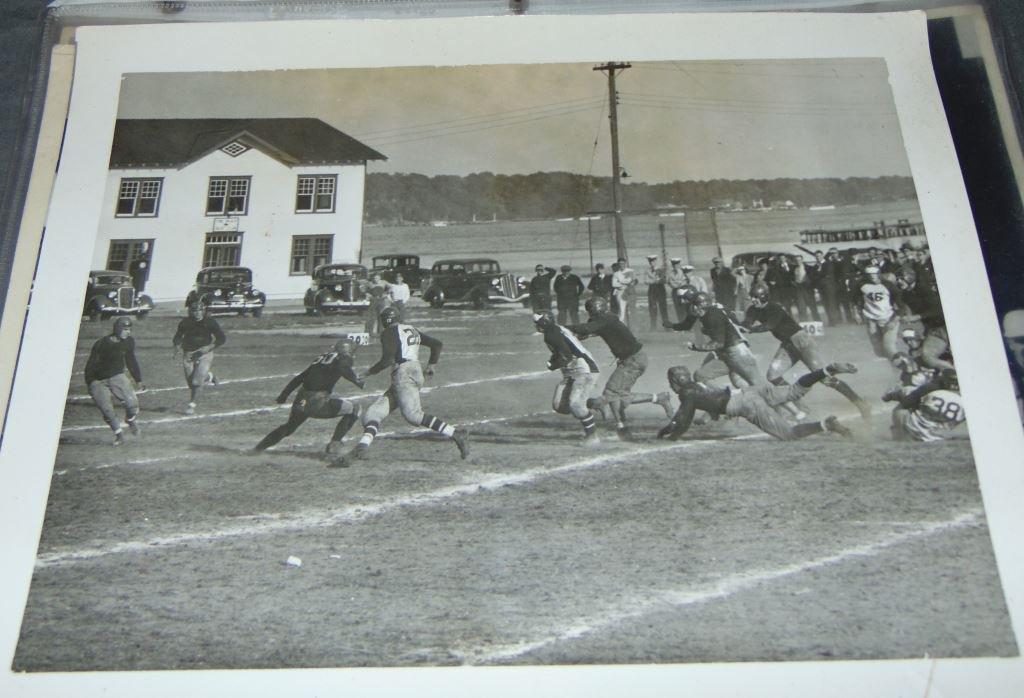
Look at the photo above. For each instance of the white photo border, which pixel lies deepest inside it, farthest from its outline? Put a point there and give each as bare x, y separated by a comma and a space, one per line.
105, 53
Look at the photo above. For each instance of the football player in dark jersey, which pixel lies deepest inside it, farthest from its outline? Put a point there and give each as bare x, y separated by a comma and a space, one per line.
197, 336
106, 381
754, 403
920, 301
728, 352
765, 315
580, 374
631, 362
400, 351
316, 398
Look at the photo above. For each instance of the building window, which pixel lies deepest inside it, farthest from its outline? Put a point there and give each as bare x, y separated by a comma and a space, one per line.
228, 196
309, 252
222, 250
315, 194
139, 197
122, 253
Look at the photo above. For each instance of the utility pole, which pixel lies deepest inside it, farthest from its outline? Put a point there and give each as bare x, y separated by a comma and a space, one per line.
613, 101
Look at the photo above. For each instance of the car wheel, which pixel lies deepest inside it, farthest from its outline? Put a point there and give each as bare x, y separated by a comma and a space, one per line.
257, 312
436, 299
143, 314
479, 300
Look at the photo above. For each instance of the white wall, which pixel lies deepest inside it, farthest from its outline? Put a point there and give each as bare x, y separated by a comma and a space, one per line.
181, 226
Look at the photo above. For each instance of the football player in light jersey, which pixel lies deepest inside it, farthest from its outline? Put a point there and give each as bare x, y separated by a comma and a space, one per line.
580, 374
765, 315
928, 412
877, 302
400, 351
316, 398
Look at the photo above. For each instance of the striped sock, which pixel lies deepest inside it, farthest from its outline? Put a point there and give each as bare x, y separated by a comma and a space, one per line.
435, 424
369, 432
589, 424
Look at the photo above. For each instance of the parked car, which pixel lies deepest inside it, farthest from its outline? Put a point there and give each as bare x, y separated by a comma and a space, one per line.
337, 287
110, 293
476, 281
227, 290
408, 265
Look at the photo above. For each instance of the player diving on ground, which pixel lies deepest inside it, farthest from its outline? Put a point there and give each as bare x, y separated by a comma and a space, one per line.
400, 350
316, 398
754, 403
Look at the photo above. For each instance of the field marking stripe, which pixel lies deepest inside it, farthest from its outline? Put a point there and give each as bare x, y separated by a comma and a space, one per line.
220, 382
270, 408
724, 588
276, 523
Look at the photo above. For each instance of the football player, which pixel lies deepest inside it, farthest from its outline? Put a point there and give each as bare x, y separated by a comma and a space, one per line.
756, 404
106, 381
765, 315
400, 350
631, 362
921, 302
928, 412
197, 336
580, 374
877, 301
316, 398
728, 352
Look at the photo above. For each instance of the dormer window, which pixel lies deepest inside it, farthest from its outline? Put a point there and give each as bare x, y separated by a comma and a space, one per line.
234, 148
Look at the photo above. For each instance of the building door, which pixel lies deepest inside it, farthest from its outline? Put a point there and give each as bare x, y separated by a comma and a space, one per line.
122, 253
222, 250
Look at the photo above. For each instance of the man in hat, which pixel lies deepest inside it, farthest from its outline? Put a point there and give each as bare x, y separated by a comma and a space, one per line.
623, 281
654, 277
106, 381
568, 289
600, 283
540, 289
676, 280
723, 284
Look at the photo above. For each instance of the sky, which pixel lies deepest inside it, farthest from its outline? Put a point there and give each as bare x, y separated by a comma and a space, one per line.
679, 120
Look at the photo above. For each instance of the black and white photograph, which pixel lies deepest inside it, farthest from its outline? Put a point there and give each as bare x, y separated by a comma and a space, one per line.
641, 361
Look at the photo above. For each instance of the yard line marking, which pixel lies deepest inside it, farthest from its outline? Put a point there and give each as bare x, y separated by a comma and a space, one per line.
278, 523
271, 408
226, 381
631, 609
141, 461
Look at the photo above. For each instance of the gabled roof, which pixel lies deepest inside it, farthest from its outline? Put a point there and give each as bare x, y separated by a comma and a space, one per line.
179, 142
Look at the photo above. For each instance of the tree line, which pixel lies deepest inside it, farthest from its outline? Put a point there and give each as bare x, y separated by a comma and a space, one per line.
416, 198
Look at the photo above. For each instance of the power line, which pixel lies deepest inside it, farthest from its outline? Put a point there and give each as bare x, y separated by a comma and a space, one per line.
764, 102
672, 106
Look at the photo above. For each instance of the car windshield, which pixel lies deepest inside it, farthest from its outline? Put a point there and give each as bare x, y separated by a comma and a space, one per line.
468, 267
338, 273
392, 262
111, 279
226, 276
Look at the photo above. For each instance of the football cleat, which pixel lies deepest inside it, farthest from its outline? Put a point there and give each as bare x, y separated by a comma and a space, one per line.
133, 425
346, 459
832, 424
624, 434
840, 367
333, 448
211, 380
118, 438
461, 439
191, 408
591, 440
665, 401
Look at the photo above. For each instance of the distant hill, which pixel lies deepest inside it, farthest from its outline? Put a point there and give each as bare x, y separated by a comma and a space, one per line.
415, 198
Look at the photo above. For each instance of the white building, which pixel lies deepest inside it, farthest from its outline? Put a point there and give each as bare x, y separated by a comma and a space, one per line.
277, 195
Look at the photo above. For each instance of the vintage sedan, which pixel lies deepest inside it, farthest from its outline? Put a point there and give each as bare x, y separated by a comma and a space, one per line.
337, 287
478, 281
227, 290
110, 292
408, 265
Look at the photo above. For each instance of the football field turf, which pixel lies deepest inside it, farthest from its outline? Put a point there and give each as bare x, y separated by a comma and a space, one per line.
170, 551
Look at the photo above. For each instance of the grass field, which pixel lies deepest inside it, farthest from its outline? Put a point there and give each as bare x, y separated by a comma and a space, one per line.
169, 552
